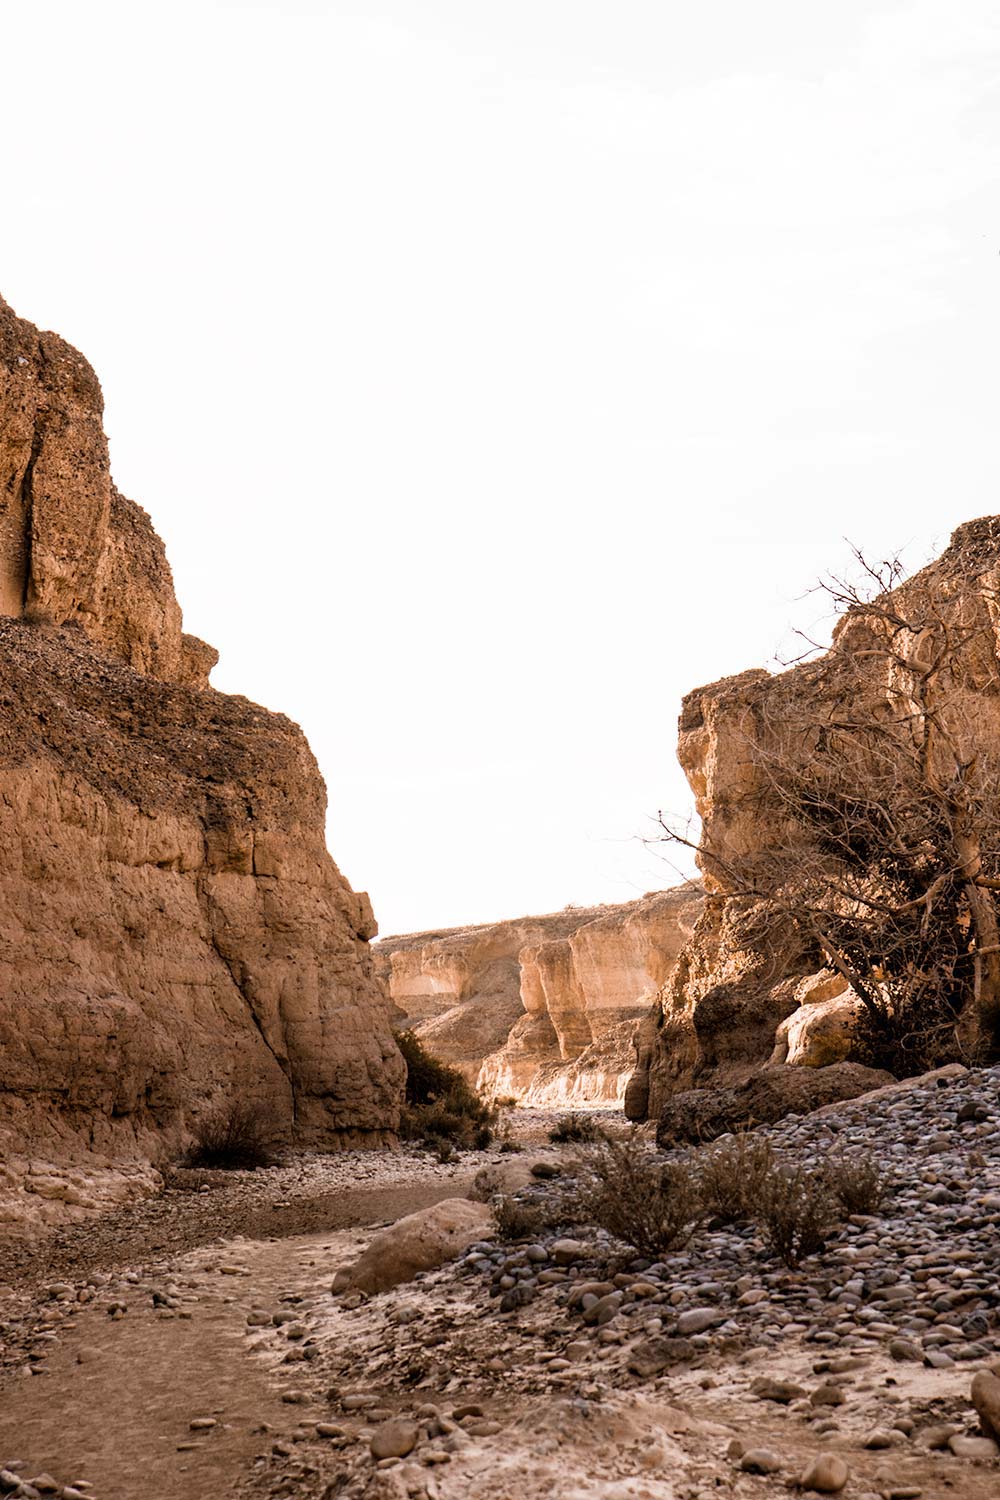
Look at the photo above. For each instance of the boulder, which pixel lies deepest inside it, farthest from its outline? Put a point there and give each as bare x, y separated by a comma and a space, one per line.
821, 1031
420, 1242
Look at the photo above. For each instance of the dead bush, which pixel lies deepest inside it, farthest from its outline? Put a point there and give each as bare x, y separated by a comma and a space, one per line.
576, 1129
524, 1219
235, 1136
856, 1183
731, 1176
488, 1183
797, 1212
628, 1190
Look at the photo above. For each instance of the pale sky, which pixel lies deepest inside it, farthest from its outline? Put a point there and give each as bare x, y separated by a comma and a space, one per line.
497, 371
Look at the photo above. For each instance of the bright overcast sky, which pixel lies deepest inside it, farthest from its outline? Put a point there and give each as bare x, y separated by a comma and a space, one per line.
499, 370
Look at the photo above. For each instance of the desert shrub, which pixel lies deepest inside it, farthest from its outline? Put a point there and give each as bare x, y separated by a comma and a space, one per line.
647, 1203
856, 1183
732, 1174
797, 1212
235, 1136
526, 1219
576, 1129
488, 1183
441, 1107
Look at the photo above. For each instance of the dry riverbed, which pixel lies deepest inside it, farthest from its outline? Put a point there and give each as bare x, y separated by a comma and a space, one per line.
191, 1345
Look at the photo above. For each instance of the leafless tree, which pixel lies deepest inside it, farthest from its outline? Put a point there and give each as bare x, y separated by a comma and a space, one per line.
876, 770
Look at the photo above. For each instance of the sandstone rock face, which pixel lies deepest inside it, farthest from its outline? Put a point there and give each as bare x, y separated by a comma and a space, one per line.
543, 1009
731, 1002
173, 930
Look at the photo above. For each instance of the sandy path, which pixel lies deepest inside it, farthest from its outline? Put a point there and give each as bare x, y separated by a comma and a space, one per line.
120, 1419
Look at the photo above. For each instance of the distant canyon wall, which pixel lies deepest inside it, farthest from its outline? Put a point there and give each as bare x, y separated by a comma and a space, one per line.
541, 1009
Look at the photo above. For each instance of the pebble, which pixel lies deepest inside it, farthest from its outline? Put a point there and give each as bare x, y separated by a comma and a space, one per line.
394, 1439
973, 1447
761, 1461
827, 1474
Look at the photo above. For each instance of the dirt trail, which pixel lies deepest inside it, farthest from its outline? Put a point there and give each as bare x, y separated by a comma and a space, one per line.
115, 1406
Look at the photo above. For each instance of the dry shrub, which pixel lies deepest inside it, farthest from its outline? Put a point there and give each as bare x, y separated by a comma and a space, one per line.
237, 1136
732, 1175
524, 1219
856, 1183
576, 1129
488, 1183
441, 1109
797, 1212
647, 1203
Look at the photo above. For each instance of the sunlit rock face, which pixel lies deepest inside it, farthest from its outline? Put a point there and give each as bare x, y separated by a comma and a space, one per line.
732, 1003
541, 1009
173, 932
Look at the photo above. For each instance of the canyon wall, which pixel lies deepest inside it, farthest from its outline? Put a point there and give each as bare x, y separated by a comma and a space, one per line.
541, 1009
173, 932
747, 991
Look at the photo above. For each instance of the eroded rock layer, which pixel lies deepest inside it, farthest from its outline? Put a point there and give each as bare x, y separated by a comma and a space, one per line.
174, 932
541, 1009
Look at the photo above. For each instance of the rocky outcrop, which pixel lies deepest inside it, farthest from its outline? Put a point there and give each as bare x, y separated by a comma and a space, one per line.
694, 1115
542, 1009
173, 930
741, 989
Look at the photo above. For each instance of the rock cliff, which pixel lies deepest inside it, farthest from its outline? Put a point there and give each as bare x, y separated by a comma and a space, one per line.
745, 992
543, 1009
173, 930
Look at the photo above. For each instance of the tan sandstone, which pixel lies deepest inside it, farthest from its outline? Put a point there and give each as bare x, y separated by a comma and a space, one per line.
541, 1009
174, 932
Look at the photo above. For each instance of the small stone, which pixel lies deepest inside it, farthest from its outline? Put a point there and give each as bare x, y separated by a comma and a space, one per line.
938, 1436
782, 1391
394, 1439
760, 1461
827, 1395
565, 1252
651, 1356
880, 1437
827, 1474
202, 1424
973, 1447
697, 1320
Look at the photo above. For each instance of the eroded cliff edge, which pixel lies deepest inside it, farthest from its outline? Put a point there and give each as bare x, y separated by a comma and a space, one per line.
174, 932
541, 1009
